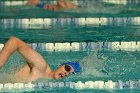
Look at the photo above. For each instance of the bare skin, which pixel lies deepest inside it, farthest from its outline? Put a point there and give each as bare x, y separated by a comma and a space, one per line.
61, 4
36, 67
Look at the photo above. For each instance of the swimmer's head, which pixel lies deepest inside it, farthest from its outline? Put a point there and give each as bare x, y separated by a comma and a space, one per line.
66, 68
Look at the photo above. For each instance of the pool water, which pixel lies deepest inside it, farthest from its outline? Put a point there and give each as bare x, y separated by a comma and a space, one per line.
104, 39
72, 29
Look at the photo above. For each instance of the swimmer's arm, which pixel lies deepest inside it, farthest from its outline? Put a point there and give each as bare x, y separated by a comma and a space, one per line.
33, 58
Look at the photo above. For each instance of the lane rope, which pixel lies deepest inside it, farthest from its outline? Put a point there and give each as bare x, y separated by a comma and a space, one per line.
131, 84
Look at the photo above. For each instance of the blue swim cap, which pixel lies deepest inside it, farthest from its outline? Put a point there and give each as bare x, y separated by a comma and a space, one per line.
76, 66
40, 5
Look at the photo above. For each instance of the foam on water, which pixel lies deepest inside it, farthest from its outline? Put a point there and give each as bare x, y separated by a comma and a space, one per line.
94, 7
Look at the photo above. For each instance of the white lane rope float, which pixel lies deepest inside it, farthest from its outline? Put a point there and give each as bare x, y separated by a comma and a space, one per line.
110, 85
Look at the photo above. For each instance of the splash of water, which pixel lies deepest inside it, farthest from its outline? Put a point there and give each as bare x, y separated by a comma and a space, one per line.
94, 7
93, 64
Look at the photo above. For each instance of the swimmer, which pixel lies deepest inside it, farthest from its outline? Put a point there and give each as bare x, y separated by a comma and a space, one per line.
36, 66
60, 4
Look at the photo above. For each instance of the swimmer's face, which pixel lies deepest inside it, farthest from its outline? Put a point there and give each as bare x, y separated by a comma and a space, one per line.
63, 71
